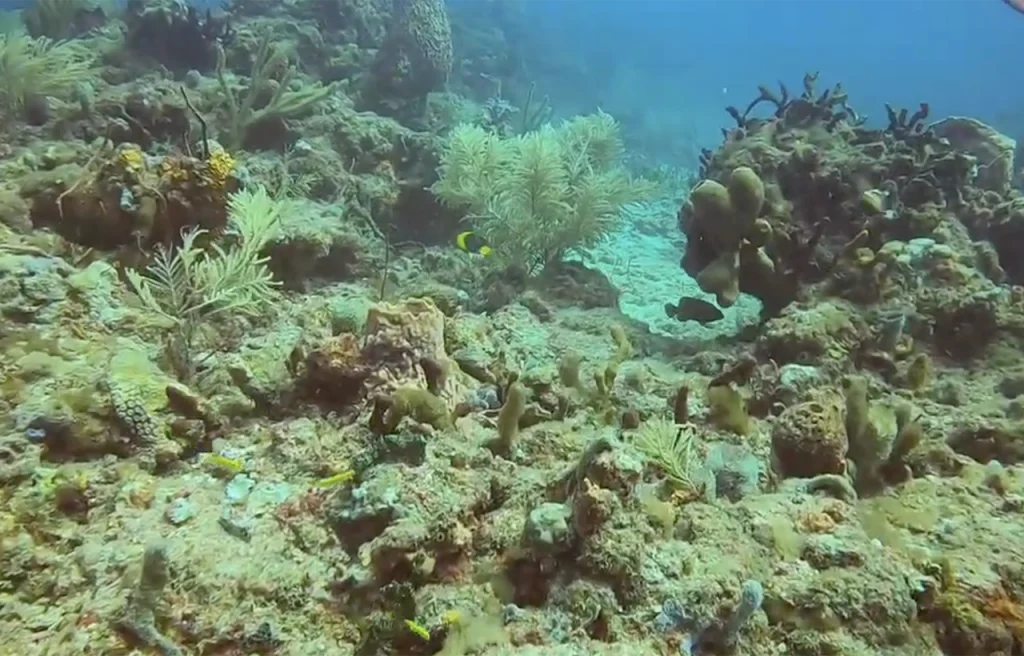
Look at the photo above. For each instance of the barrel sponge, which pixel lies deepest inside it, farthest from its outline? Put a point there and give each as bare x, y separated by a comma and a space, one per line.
809, 438
399, 335
427, 39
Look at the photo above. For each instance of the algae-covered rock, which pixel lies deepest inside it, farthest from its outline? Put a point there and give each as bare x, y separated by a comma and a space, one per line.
1000, 442
312, 240
994, 151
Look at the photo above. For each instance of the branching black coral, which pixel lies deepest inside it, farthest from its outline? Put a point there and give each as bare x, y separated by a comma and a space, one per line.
828, 108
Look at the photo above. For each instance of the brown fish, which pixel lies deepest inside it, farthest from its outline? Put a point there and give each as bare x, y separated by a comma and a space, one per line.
693, 309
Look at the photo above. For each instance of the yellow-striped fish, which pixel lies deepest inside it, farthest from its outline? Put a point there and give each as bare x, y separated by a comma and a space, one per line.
337, 479
223, 463
471, 242
418, 629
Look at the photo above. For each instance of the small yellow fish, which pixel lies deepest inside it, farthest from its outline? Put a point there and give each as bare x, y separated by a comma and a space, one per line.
471, 242
337, 479
418, 629
217, 461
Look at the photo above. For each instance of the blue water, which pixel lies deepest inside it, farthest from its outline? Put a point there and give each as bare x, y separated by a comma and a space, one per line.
671, 66
696, 56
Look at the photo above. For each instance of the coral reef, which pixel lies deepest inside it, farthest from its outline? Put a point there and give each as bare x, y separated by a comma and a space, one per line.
840, 201
256, 399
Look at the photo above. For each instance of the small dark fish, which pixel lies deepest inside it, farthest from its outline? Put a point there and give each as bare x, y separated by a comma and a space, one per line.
471, 242
693, 309
50, 432
1016, 5
235, 529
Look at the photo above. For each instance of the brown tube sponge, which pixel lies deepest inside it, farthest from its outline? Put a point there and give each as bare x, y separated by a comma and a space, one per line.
724, 215
508, 418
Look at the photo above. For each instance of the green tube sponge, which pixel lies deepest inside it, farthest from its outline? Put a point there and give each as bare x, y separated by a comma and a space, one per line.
623, 352
139, 619
508, 418
623, 347
569, 371
727, 410
908, 435
856, 393
419, 404
867, 447
712, 212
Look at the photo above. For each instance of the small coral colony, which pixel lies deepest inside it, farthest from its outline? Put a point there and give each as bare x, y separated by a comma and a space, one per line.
300, 357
